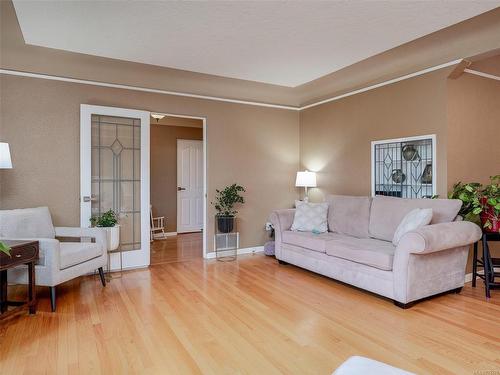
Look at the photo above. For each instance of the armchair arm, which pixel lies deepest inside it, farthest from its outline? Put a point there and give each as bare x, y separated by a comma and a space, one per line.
98, 234
438, 237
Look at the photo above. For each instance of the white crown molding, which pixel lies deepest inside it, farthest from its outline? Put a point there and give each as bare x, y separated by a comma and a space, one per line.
144, 89
481, 74
236, 101
385, 83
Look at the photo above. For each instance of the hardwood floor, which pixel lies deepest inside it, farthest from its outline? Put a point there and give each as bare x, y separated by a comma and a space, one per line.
186, 246
251, 316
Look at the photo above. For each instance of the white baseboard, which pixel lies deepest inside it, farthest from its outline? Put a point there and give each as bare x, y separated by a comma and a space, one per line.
245, 250
468, 276
167, 234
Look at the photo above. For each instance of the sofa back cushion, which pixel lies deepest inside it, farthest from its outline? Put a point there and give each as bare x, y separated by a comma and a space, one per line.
349, 215
387, 212
26, 223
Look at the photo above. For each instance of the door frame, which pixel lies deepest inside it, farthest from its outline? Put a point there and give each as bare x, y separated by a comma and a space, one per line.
133, 258
205, 179
178, 183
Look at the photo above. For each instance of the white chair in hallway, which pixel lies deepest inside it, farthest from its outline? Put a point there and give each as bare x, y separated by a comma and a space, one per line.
157, 224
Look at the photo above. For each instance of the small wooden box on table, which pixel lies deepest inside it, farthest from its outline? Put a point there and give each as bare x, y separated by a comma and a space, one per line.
22, 252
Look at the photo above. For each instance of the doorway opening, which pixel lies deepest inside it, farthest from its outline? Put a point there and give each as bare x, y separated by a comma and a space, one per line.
177, 186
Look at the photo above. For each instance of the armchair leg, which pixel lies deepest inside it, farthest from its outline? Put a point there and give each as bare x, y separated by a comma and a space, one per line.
101, 275
52, 290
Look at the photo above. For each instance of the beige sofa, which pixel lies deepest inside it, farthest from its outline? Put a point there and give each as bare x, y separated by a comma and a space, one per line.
357, 248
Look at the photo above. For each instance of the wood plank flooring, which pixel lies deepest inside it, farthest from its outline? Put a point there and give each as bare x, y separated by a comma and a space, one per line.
251, 316
186, 246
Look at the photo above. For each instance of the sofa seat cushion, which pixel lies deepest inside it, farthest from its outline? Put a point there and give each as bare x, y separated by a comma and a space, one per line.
387, 212
308, 240
73, 253
367, 251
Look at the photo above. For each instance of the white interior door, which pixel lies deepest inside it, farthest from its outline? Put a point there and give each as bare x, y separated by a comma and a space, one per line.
189, 186
114, 174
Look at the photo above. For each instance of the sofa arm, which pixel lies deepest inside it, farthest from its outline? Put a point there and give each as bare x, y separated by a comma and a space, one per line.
438, 237
98, 234
282, 219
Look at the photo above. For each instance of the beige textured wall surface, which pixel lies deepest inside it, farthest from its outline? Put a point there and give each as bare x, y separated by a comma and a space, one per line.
474, 131
254, 146
335, 138
163, 169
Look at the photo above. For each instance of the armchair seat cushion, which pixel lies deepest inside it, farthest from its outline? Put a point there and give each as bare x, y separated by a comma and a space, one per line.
308, 240
73, 253
367, 251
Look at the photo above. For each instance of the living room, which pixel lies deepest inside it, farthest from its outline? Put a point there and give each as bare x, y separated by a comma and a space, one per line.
267, 114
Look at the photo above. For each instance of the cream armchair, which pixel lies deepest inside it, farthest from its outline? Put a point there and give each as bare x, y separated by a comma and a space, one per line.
58, 261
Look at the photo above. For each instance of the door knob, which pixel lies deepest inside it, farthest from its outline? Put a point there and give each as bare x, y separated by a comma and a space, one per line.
180, 188
92, 198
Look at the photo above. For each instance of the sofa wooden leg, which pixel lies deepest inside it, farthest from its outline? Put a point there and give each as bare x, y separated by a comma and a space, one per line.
457, 291
101, 275
52, 290
404, 305
282, 262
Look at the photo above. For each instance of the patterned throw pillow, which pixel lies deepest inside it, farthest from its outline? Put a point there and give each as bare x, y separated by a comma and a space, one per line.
310, 217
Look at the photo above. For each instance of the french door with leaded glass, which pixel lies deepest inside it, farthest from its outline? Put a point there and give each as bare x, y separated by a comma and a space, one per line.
114, 150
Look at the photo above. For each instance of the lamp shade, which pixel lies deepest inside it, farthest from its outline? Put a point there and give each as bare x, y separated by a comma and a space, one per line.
305, 179
5, 161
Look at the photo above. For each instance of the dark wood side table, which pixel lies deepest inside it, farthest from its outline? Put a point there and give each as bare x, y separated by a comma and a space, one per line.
22, 252
487, 263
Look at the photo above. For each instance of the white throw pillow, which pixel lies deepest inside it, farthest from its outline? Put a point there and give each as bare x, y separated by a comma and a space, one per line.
310, 217
414, 219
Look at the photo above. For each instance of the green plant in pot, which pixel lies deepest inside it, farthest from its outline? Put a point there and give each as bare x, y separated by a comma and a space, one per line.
224, 203
4, 248
109, 222
480, 204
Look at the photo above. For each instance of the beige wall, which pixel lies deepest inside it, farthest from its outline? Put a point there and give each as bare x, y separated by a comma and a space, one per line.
474, 129
163, 172
254, 146
335, 138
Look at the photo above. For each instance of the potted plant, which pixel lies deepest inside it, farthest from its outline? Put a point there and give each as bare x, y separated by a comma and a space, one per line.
489, 201
224, 204
4, 248
480, 204
109, 222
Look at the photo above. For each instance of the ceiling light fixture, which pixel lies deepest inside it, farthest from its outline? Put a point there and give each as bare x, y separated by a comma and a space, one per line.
157, 116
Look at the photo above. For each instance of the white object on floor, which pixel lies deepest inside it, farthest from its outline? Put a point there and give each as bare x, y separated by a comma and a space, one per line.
413, 220
357, 365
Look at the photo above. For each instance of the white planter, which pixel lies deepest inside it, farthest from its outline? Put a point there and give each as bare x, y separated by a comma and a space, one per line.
113, 237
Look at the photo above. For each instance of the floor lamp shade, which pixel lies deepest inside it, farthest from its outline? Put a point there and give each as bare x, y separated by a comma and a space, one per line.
5, 161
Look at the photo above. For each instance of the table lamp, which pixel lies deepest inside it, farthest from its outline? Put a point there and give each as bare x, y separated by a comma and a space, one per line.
305, 179
5, 161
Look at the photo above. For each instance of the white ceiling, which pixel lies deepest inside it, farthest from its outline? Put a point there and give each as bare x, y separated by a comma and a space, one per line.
283, 43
